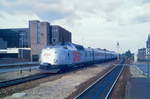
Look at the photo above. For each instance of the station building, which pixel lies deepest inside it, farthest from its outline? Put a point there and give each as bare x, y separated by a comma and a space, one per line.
60, 34
43, 34
36, 37
15, 37
3, 44
141, 56
16, 53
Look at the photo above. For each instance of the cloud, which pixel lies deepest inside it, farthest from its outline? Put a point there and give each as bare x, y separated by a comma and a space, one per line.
47, 10
98, 23
16, 20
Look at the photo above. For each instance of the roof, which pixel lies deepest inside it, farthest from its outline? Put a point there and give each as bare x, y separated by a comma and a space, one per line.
67, 45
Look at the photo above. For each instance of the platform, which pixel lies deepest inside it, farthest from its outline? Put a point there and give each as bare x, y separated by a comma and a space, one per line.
138, 86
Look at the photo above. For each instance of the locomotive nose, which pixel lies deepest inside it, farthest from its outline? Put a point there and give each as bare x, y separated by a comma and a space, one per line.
49, 56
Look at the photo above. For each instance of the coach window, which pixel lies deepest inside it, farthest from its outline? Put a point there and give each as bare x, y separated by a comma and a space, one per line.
85, 54
68, 54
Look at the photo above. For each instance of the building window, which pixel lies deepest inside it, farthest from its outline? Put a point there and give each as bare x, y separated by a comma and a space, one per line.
54, 40
38, 34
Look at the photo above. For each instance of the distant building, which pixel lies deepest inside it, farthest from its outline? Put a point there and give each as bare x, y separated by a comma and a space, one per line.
60, 34
141, 54
144, 53
15, 37
148, 42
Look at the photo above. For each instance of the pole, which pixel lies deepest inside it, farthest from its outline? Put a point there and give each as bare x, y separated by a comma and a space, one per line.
118, 51
21, 52
148, 69
105, 55
22, 47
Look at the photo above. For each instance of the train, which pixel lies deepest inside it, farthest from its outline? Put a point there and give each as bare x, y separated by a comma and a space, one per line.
69, 55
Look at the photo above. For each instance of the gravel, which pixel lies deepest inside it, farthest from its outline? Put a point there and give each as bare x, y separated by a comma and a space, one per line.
63, 87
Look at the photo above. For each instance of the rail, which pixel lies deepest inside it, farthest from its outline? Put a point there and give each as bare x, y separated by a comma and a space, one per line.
22, 80
103, 86
18, 64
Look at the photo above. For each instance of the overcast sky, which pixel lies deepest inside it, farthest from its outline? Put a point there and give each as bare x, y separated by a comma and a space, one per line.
94, 23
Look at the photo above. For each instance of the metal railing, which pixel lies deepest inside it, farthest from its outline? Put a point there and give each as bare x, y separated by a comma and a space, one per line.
18, 64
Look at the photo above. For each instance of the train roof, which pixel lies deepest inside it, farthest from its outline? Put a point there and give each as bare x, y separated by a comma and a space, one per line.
67, 45
73, 46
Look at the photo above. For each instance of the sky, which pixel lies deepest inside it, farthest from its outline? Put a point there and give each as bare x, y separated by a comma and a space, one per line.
93, 23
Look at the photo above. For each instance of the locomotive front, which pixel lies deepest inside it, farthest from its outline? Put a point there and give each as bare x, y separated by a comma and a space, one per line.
48, 56
49, 59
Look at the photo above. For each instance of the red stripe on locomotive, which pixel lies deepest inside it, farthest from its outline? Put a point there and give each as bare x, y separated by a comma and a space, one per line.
76, 56
47, 54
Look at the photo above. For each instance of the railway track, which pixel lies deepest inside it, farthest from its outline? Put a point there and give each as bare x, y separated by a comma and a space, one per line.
22, 80
102, 87
8, 83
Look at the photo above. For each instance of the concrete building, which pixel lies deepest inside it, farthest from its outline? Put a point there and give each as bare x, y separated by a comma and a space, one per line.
43, 34
39, 37
15, 37
144, 53
60, 34
141, 56
3, 44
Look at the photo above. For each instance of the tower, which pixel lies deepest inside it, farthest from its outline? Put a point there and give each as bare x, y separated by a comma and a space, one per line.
39, 33
148, 42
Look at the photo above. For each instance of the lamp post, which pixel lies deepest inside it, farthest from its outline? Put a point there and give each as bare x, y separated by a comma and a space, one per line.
118, 46
21, 45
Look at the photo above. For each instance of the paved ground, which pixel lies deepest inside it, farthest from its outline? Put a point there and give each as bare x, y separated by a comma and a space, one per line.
138, 86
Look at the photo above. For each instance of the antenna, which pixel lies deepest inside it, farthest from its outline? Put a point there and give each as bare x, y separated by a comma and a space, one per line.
82, 40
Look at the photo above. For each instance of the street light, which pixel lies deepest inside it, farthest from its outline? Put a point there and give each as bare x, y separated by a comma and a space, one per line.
118, 46
21, 45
